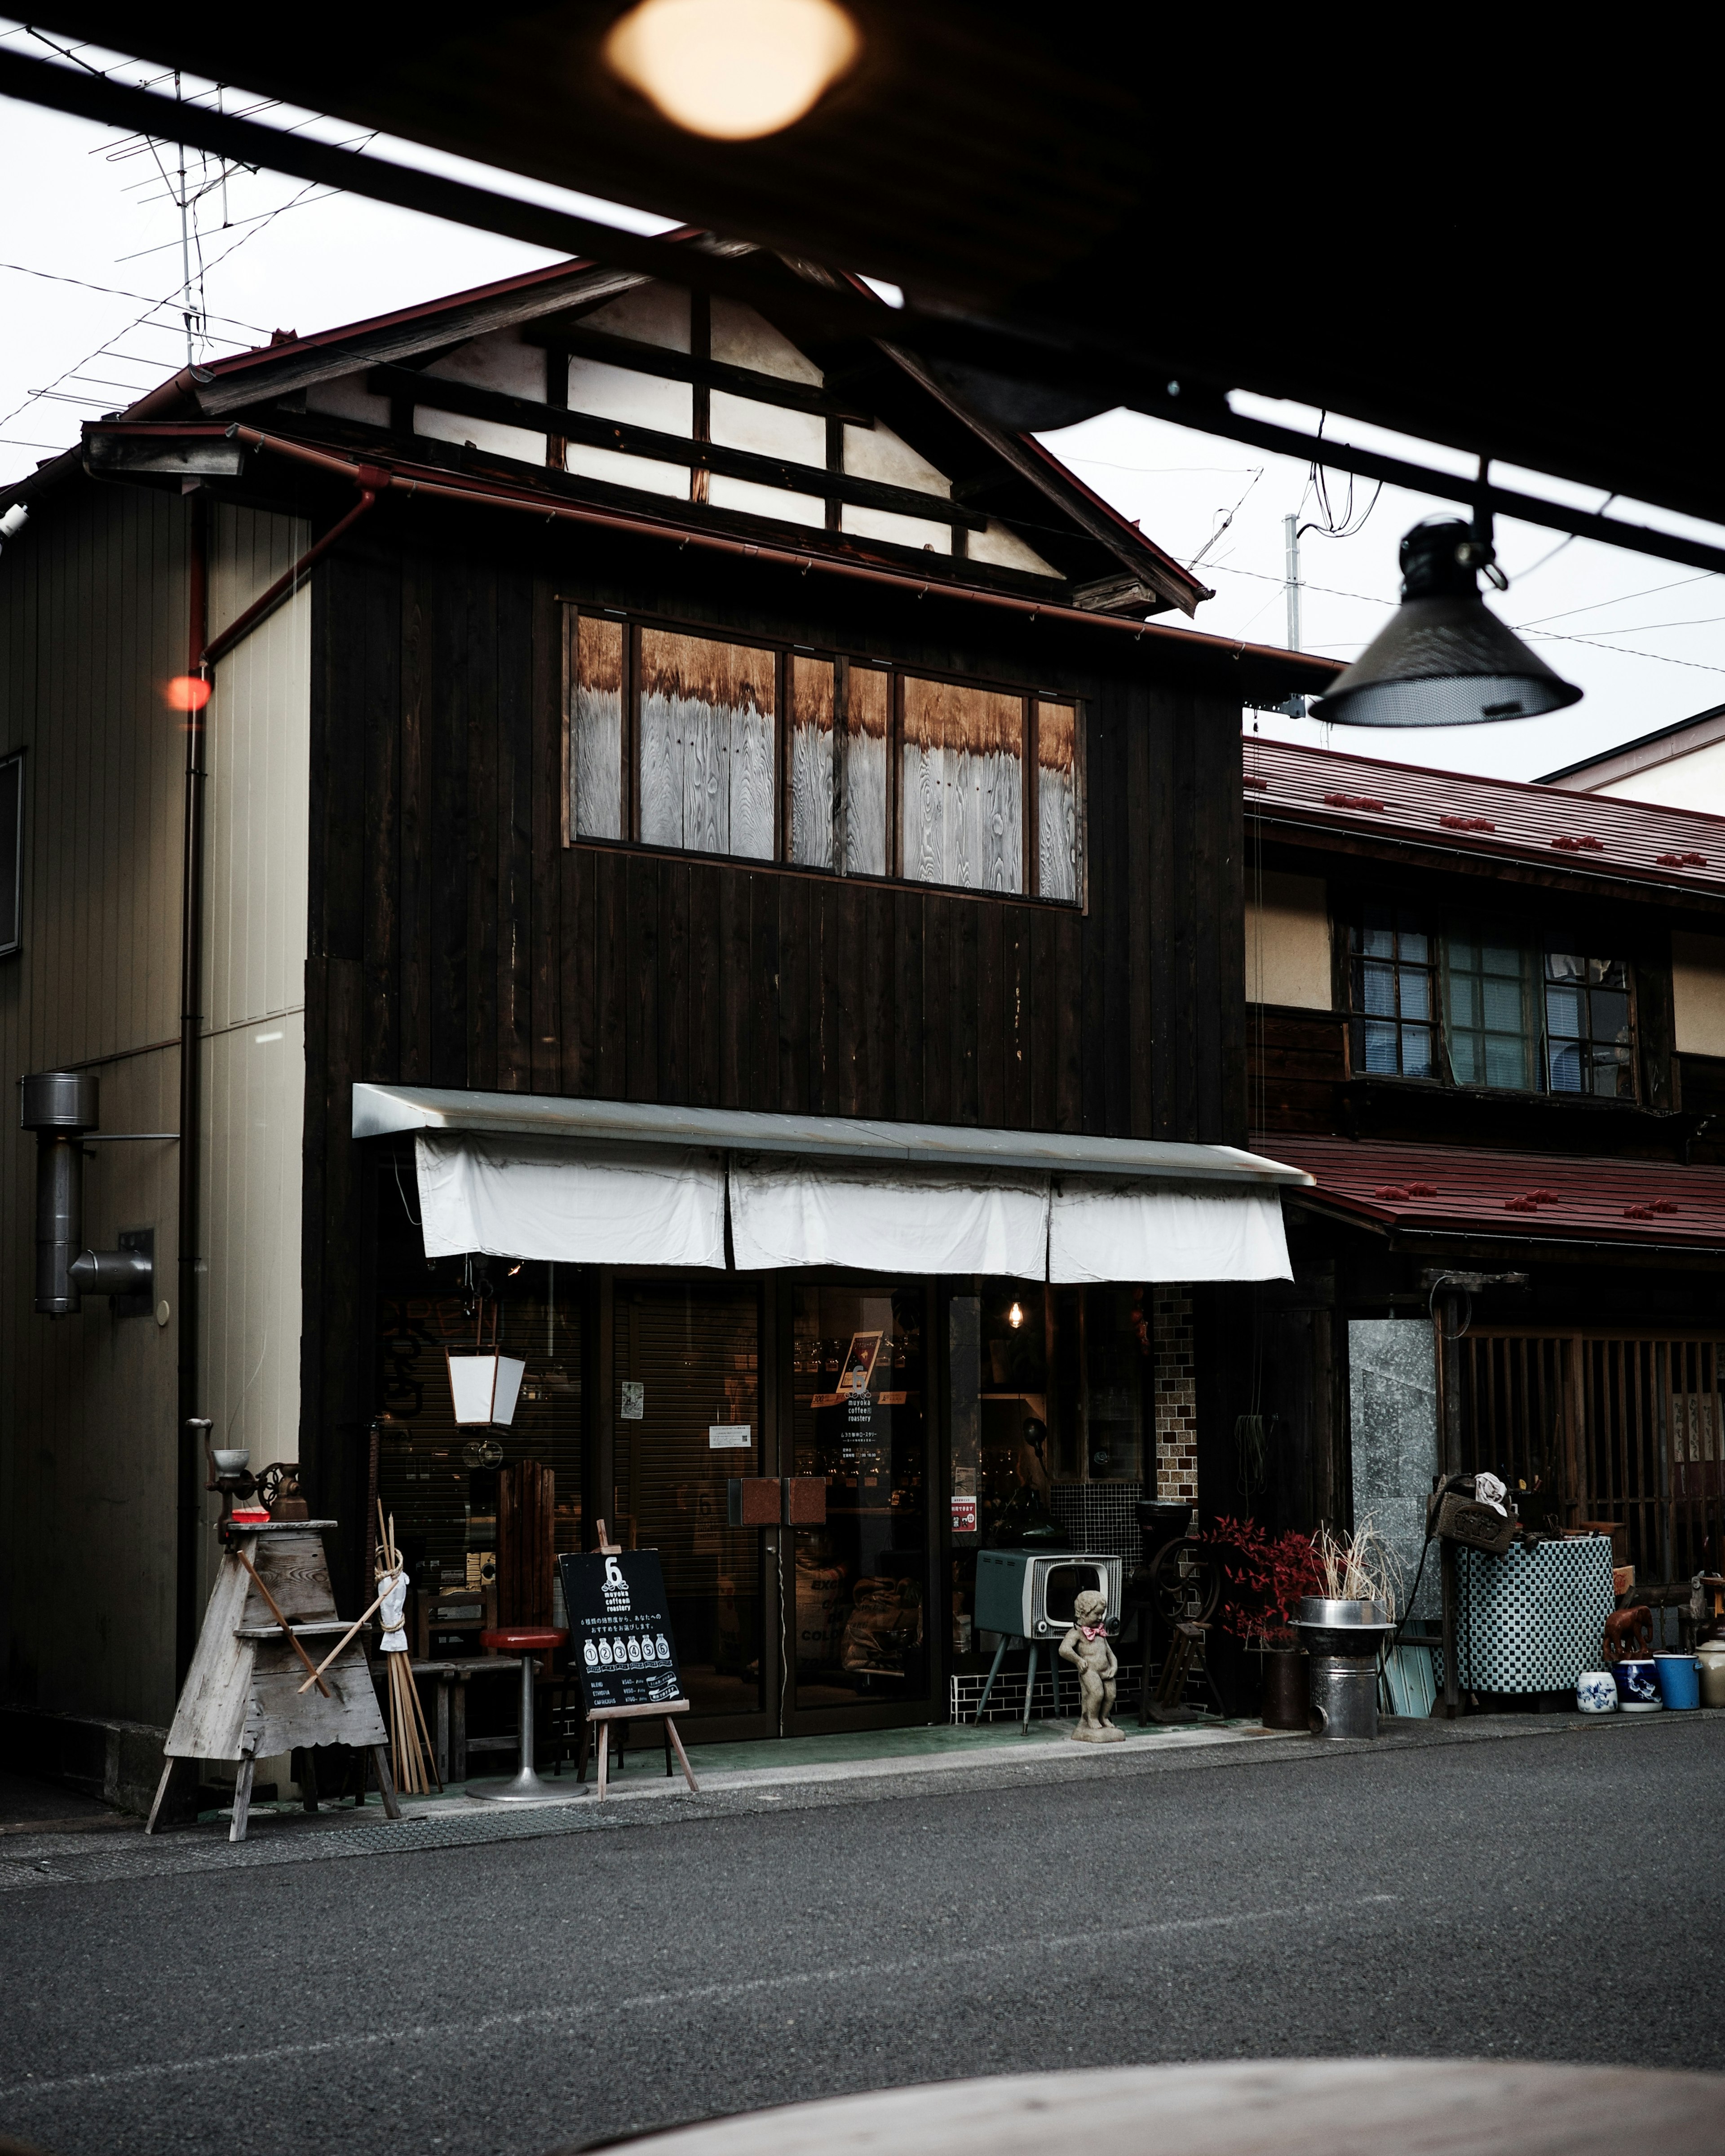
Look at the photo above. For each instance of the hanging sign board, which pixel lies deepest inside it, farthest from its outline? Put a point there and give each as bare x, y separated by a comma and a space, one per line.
620, 1638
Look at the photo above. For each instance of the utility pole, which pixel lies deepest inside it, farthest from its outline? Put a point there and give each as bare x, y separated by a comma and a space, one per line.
1295, 707
1291, 560
185, 245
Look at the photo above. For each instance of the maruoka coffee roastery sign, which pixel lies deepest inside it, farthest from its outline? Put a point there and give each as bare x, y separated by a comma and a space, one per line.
620, 1638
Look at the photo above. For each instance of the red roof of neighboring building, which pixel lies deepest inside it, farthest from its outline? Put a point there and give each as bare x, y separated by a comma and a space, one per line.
1495, 818
1530, 1196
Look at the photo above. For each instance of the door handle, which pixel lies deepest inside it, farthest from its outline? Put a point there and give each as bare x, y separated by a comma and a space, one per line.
805, 1500
773, 1501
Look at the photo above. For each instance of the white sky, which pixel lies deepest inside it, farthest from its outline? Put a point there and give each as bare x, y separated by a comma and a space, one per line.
1645, 639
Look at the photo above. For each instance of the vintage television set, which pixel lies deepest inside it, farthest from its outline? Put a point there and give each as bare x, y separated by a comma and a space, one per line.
1029, 1593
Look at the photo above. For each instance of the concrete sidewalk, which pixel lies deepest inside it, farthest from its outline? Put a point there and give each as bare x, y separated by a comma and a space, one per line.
795, 1774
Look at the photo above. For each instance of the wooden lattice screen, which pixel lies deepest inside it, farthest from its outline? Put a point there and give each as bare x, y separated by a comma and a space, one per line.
1624, 1426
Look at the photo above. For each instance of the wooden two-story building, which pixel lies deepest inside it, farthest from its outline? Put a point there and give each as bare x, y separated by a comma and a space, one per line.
699, 858
1489, 1019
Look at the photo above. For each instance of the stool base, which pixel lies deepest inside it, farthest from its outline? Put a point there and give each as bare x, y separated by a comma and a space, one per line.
525, 1790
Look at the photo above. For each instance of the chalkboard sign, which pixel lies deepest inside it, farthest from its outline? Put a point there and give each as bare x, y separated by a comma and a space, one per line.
620, 1638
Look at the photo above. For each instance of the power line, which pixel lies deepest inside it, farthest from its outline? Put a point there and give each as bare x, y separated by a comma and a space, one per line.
1598, 605
116, 292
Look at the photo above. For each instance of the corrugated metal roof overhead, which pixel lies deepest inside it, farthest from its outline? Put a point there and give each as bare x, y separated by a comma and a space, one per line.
1533, 1196
1497, 817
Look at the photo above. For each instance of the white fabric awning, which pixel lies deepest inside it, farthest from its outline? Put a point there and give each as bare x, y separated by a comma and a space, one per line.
616, 1183
545, 1198
786, 1210
1099, 1231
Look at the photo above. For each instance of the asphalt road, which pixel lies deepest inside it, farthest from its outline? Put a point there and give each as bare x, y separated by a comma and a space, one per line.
1555, 1896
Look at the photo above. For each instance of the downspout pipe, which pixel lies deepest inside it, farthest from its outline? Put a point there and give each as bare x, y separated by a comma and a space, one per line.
371, 484
189, 1507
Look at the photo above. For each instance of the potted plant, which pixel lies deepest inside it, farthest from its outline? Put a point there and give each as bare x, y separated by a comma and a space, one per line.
1273, 1574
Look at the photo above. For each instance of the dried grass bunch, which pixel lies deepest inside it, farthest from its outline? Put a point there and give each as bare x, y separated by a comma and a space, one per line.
1360, 1567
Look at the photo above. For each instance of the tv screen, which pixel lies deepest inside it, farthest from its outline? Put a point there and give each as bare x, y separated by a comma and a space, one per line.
1064, 1583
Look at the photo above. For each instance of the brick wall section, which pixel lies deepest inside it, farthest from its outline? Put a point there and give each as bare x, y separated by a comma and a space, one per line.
1176, 1396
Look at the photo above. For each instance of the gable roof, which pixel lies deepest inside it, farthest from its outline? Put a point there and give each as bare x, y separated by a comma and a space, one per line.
1073, 544
1324, 792
1664, 745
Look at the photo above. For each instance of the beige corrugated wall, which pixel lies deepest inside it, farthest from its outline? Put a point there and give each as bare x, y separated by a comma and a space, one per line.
93, 623
254, 996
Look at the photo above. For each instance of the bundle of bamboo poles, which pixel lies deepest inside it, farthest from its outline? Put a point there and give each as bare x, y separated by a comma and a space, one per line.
415, 1762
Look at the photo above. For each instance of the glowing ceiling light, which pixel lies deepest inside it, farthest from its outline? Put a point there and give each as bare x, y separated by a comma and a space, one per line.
734, 70
1015, 1316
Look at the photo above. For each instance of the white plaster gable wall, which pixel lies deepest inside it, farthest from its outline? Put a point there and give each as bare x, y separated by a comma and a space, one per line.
651, 314
742, 338
348, 397
500, 361
1005, 550
877, 453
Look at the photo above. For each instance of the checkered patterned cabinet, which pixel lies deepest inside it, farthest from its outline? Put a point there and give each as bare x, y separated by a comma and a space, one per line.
1531, 1620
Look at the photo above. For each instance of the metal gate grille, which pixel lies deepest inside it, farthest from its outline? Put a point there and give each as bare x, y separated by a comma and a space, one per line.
1627, 1427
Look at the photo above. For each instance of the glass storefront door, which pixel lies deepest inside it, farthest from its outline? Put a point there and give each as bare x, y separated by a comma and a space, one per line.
857, 1589
687, 1359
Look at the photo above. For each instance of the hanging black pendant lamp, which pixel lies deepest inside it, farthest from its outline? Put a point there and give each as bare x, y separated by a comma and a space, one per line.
1444, 659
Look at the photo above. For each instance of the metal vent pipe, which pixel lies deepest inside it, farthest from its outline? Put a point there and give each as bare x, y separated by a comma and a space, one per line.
61, 1107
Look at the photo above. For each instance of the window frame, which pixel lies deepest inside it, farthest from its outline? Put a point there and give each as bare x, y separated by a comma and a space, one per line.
1354, 960
1530, 985
1535, 940
14, 759
631, 623
1547, 952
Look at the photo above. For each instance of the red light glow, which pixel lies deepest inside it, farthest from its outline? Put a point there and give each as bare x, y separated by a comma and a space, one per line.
188, 692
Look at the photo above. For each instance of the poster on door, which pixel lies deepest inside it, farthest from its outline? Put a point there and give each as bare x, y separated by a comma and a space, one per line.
620, 1638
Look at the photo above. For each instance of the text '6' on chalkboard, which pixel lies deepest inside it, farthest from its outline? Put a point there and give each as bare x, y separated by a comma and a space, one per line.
620, 1637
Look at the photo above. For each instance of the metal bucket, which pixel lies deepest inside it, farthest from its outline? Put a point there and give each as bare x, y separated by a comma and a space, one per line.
1344, 1695
1287, 1704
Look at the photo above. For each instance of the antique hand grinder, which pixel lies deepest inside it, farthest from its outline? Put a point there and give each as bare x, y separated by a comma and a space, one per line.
241, 1700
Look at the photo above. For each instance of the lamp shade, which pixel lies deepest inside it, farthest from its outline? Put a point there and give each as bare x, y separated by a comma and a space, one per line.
1444, 659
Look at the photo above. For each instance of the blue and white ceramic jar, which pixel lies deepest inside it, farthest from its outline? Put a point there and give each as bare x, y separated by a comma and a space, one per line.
1596, 1692
1638, 1685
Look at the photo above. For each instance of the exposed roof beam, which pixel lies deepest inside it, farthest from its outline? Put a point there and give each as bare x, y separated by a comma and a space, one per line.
657, 359
440, 394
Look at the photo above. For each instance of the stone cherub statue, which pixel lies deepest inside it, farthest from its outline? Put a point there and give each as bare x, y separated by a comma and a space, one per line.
1087, 1647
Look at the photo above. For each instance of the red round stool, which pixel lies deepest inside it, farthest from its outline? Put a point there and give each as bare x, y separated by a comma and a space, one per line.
526, 1641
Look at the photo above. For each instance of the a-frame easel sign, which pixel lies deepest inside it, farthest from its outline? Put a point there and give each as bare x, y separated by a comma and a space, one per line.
621, 1643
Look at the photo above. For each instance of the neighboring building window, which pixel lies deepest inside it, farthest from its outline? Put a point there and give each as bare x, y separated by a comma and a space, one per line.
1517, 1014
1492, 1010
1390, 990
12, 853
821, 762
1589, 1025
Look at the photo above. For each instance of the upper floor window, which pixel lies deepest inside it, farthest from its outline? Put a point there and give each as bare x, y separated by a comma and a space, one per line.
713, 746
1390, 991
12, 853
1589, 1025
1493, 1010
1516, 1011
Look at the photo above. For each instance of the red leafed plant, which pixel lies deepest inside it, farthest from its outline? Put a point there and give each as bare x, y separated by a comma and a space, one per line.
1271, 1573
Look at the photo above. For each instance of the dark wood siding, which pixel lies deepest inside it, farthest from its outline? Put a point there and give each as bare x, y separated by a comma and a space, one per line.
1296, 1060
455, 942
